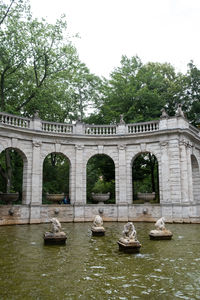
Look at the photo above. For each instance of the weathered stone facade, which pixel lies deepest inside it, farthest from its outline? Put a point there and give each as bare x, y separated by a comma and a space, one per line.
174, 142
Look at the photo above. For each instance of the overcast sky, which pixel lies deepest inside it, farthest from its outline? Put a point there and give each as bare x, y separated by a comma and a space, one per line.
155, 30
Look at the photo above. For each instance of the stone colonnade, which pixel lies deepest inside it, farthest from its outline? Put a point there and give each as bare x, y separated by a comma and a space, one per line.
173, 141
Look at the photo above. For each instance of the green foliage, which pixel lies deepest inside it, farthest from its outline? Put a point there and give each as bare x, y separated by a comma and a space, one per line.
12, 170
145, 175
100, 166
102, 187
56, 174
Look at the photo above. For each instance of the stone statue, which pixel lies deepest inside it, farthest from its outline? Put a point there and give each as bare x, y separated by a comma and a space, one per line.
121, 119
179, 112
129, 232
160, 224
160, 233
55, 235
164, 114
128, 242
97, 228
98, 221
55, 225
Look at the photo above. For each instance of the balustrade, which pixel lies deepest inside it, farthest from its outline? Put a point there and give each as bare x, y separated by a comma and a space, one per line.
92, 130
13, 120
57, 127
143, 127
100, 129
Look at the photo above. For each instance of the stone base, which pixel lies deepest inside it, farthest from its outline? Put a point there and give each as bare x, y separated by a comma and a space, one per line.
160, 235
55, 238
98, 231
129, 246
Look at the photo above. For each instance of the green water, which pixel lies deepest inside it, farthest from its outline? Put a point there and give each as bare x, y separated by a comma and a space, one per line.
93, 268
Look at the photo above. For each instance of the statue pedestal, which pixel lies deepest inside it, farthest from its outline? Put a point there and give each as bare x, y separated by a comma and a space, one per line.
129, 246
58, 238
98, 231
160, 235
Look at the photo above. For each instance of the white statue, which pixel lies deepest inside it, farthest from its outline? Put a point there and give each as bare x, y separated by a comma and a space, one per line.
98, 221
55, 235
55, 225
160, 224
97, 228
129, 232
179, 112
160, 232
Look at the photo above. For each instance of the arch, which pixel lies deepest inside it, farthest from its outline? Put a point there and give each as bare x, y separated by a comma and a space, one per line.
100, 174
56, 176
145, 177
14, 172
195, 179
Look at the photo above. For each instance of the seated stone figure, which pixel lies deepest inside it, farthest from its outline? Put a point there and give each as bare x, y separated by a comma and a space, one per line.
55, 225
97, 227
129, 232
98, 221
160, 224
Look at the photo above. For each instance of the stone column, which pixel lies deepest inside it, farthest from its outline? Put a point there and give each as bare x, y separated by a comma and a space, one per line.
79, 187
189, 170
185, 194
174, 168
36, 194
122, 176
36, 184
164, 185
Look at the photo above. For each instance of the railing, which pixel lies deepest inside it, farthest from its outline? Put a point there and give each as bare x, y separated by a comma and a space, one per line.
194, 129
15, 121
57, 127
143, 127
85, 129
100, 129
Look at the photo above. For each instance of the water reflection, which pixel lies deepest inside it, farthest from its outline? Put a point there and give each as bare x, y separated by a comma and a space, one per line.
89, 267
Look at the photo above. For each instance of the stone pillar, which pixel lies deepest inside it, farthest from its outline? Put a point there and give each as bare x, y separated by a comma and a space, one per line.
164, 184
185, 193
189, 171
36, 182
174, 168
122, 176
27, 177
79, 187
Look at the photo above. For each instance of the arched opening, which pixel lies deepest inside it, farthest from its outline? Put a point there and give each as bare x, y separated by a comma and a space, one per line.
12, 162
56, 169
100, 177
195, 179
145, 179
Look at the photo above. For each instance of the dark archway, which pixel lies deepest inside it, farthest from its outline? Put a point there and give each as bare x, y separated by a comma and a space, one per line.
56, 170
145, 178
12, 163
101, 176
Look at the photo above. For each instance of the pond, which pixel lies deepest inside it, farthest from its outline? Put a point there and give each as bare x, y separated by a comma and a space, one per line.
90, 267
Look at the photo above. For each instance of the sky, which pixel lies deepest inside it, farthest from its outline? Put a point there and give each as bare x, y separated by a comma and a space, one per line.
155, 30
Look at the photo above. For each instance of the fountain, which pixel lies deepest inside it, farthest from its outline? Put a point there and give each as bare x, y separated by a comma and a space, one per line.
55, 235
160, 233
128, 242
97, 228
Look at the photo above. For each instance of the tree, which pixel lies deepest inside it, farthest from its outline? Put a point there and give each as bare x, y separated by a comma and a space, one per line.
139, 91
